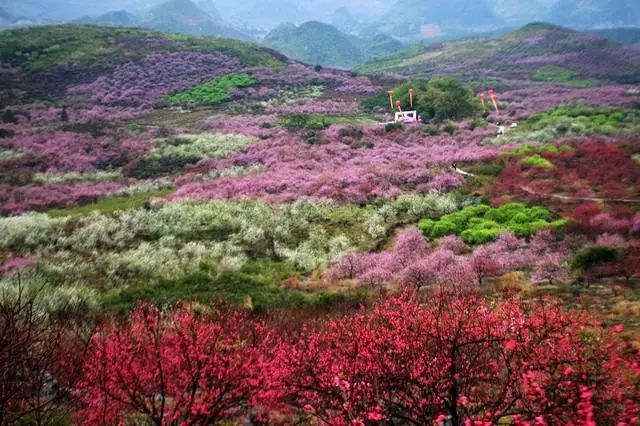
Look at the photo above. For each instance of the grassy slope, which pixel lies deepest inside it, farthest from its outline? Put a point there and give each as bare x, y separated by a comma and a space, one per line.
37, 49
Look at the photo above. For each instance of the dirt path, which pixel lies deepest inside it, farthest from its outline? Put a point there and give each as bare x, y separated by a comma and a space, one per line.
569, 198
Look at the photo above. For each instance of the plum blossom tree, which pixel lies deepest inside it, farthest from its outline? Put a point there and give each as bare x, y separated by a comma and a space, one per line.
177, 368
550, 268
461, 359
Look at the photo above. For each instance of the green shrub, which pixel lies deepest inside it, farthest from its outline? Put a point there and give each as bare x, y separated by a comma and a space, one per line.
476, 122
431, 130
172, 154
295, 121
562, 75
135, 128
450, 128
351, 132
378, 101
576, 120
537, 161
210, 93
392, 127
554, 73
593, 256
439, 99
317, 123
480, 224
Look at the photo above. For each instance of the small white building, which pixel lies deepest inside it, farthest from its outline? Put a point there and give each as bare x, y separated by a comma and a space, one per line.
406, 117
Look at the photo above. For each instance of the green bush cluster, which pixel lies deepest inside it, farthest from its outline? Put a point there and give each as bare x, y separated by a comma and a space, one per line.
294, 122
537, 161
392, 127
476, 122
593, 256
561, 75
573, 120
210, 93
438, 99
576, 120
480, 224
254, 286
174, 153
450, 128
527, 151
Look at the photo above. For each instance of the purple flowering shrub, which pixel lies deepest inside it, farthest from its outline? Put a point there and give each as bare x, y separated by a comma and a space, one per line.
414, 262
140, 84
523, 102
389, 165
16, 200
75, 152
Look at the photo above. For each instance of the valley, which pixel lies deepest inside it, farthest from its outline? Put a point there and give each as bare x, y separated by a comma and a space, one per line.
202, 230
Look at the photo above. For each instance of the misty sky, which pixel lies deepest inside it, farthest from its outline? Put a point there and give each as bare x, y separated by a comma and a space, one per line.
263, 15
61, 9
65, 9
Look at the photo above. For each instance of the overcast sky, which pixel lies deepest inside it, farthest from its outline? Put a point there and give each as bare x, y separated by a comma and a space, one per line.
70, 8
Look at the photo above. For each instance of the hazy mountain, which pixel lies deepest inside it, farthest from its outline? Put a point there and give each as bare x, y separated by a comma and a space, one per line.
624, 36
451, 13
427, 18
265, 14
596, 13
516, 12
183, 16
318, 43
209, 8
404, 19
118, 18
174, 16
65, 10
343, 20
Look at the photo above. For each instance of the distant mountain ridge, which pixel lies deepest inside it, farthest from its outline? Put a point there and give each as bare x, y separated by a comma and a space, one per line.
262, 13
209, 8
413, 20
624, 36
518, 12
419, 19
117, 18
173, 16
451, 13
184, 16
538, 50
596, 13
318, 43
343, 20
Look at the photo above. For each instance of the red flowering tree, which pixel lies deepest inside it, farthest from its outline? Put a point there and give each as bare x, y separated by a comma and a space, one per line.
461, 358
180, 368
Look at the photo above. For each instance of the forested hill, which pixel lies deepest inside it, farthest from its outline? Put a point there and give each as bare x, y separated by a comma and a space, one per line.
538, 50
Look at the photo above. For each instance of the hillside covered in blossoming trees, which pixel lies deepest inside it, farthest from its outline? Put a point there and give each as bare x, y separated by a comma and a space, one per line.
204, 231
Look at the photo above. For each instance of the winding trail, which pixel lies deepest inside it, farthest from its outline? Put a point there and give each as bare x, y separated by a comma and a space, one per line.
462, 172
569, 198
